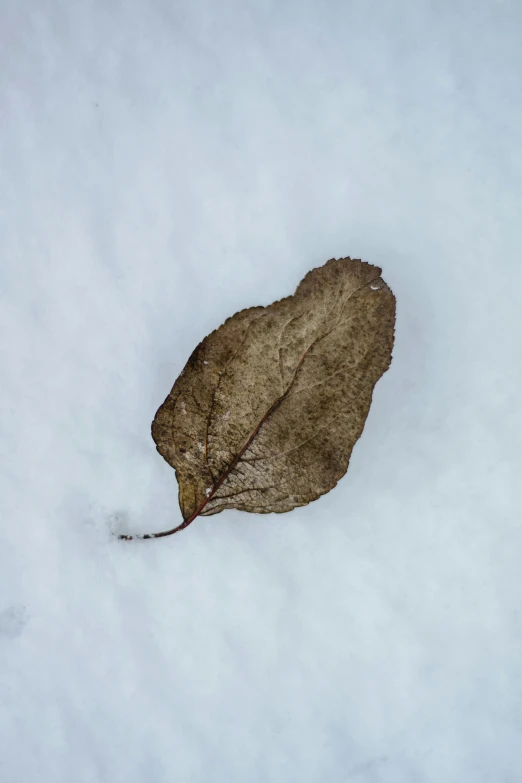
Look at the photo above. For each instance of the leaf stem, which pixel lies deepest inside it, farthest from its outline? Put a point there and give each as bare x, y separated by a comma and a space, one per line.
184, 524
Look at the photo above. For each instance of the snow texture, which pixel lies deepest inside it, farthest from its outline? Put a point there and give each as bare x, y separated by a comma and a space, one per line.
163, 165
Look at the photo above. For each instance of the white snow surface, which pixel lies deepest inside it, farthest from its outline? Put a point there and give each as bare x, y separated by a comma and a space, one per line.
163, 165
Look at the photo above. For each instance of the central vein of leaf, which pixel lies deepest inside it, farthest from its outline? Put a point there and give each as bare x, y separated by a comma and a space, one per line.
226, 473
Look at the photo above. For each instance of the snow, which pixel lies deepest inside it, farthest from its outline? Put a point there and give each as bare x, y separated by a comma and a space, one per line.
164, 165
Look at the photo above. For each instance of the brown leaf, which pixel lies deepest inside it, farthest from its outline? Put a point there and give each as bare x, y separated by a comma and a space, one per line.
268, 408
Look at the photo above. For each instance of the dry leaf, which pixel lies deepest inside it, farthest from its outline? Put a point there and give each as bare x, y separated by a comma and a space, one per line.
268, 408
